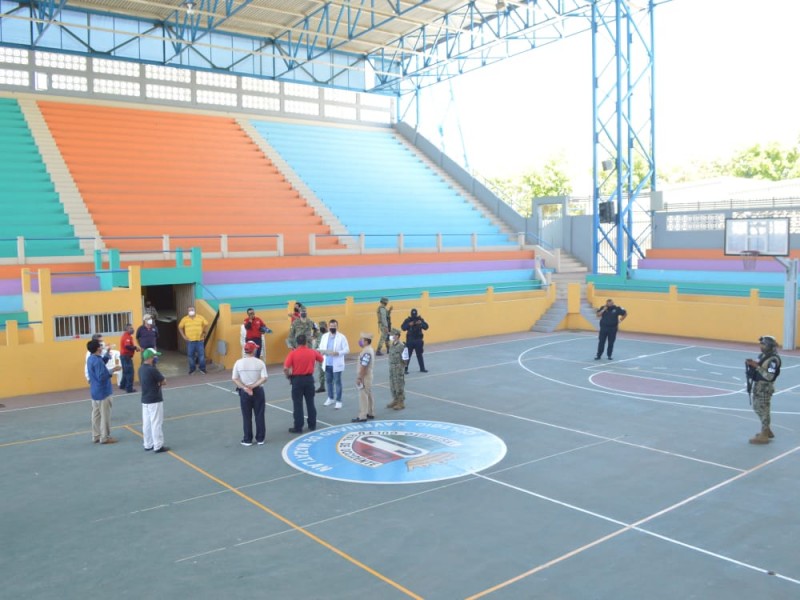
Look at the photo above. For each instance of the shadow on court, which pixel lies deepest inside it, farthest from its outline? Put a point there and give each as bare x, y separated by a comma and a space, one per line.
521, 468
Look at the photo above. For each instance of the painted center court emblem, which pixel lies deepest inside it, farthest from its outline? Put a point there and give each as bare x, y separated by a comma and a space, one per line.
395, 451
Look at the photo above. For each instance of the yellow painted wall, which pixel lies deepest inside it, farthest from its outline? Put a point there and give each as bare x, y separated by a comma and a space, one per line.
29, 365
726, 318
449, 319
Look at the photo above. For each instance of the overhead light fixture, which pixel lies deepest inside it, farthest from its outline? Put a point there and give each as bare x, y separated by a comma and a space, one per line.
501, 5
608, 165
189, 7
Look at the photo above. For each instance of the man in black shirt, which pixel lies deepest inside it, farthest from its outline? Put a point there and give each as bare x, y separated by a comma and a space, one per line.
151, 380
610, 316
414, 325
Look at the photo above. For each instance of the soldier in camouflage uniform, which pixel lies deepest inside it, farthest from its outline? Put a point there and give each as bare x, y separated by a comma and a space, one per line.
384, 325
303, 325
398, 357
763, 372
319, 370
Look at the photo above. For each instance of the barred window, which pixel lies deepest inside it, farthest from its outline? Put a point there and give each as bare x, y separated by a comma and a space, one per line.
72, 326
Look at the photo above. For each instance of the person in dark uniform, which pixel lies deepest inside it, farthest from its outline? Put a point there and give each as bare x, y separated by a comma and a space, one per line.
762, 373
414, 325
610, 316
299, 368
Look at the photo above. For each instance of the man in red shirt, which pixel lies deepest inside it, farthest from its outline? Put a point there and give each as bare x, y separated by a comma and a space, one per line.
299, 368
254, 328
127, 348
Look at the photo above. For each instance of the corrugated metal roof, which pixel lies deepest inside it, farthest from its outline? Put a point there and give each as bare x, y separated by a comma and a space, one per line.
269, 19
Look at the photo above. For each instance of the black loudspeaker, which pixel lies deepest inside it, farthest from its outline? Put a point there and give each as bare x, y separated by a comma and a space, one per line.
605, 211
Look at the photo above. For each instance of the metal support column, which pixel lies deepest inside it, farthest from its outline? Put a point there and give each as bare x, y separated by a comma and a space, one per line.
623, 111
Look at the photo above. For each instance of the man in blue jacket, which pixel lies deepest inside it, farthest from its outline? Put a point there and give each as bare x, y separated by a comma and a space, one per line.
100, 389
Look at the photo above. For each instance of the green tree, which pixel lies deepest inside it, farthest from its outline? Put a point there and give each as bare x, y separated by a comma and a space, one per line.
770, 161
550, 180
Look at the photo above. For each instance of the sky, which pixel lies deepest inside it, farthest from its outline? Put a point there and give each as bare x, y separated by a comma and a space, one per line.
726, 79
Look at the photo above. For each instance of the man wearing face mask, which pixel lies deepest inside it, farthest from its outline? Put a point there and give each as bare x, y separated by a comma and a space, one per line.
319, 371
414, 325
147, 334
127, 348
193, 329
398, 355
253, 330
302, 325
366, 362
333, 346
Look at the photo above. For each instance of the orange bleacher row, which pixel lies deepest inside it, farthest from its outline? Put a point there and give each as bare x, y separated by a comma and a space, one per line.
129, 164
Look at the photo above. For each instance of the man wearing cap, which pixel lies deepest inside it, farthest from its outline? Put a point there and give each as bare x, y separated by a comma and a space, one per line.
334, 347
414, 326
299, 369
384, 325
193, 329
763, 372
319, 370
398, 357
100, 388
301, 325
366, 362
249, 375
152, 381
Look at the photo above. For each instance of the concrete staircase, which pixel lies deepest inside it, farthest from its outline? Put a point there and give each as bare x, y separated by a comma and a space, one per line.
552, 318
569, 271
557, 312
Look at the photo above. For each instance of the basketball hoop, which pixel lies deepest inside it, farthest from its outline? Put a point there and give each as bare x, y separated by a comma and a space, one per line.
749, 258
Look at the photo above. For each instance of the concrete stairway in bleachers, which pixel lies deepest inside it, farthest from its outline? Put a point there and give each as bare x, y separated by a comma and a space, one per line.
557, 312
64, 184
550, 320
570, 270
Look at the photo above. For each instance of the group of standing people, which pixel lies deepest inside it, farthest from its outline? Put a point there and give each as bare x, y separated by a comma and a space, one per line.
316, 351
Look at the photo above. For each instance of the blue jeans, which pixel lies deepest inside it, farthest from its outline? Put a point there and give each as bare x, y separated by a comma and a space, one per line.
127, 373
333, 379
197, 349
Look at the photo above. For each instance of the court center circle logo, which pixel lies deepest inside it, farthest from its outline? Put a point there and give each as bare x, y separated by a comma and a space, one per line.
394, 452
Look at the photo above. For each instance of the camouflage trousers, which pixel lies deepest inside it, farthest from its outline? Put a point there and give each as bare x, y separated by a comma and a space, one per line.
762, 397
397, 384
383, 339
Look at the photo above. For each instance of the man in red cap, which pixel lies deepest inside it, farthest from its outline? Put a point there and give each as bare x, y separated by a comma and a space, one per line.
249, 374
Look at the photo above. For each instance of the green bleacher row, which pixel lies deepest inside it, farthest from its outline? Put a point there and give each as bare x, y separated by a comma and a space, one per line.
363, 296
29, 204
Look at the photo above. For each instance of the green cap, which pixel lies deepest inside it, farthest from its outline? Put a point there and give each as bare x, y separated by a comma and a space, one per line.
150, 353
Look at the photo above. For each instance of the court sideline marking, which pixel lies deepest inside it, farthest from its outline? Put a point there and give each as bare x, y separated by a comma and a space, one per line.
467, 478
315, 538
636, 527
624, 394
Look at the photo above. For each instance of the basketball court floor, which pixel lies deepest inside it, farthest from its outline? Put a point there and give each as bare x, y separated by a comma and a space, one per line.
520, 468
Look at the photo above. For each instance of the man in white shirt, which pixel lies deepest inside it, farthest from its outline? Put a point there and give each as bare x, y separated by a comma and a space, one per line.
333, 346
249, 374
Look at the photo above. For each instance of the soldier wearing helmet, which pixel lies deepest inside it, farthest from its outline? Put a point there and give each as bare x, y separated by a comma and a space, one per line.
763, 372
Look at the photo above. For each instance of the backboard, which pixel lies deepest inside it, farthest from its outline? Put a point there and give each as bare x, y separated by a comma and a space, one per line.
758, 236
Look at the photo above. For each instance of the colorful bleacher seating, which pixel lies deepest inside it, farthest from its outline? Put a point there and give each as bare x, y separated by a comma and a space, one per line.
150, 173
377, 186
29, 204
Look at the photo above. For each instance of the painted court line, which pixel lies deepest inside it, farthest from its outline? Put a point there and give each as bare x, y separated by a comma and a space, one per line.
596, 390
578, 431
292, 525
637, 527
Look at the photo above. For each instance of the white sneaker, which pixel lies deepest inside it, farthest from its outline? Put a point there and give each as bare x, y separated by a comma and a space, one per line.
328, 402
338, 405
